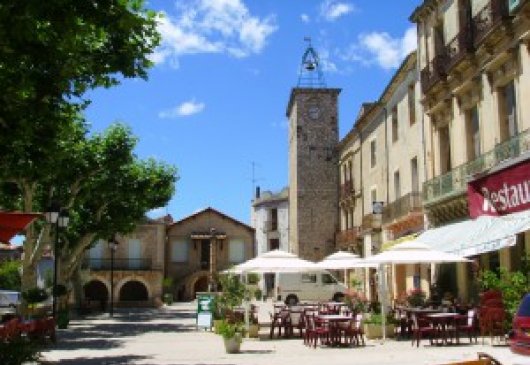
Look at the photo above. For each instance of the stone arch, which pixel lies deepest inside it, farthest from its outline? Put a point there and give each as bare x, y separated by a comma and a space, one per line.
125, 280
191, 281
97, 291
133, 291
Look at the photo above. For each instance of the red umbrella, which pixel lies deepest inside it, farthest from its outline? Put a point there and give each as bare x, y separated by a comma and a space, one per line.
12, 223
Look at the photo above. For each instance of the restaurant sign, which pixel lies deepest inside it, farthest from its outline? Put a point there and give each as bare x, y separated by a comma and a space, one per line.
504, 192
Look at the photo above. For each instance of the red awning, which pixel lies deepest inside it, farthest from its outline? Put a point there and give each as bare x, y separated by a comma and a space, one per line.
12, 223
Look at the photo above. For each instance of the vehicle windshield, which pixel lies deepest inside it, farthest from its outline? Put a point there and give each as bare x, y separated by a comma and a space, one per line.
524, 308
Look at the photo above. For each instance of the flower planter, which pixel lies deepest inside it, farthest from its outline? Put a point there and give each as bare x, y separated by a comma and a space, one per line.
372, 330
233, 344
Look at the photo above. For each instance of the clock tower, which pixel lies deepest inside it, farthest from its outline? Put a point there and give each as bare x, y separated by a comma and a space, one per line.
313, 162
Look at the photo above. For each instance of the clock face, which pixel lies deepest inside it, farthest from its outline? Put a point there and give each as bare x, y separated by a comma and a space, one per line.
314, 112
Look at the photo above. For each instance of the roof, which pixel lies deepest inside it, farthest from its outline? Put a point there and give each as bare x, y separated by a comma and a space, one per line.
214, 211
427, 5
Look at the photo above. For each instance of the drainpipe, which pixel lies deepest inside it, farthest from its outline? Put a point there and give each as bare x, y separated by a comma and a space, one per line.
386, 154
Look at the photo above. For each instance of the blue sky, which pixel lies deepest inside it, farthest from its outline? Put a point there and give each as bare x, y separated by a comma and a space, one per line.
215, 102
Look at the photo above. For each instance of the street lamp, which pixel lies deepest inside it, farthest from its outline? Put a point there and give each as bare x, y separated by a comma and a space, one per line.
58, 217
113, 245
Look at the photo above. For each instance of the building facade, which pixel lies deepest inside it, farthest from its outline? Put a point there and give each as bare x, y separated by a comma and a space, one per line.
270, 219
138, 267
201, 245
474, 65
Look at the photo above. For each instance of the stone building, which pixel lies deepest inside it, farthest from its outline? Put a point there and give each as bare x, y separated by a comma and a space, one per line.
474, 62
381, 171
201, 245
270, 219
138, 267
313, 175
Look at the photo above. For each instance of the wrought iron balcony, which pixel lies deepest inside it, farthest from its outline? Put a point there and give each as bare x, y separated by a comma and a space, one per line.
402, 206
435, 71
346, 189
347, 237
119, 264
454, 182
488, 18
459, 46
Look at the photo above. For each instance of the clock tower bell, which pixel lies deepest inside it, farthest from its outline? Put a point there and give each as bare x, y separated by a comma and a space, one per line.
313, 162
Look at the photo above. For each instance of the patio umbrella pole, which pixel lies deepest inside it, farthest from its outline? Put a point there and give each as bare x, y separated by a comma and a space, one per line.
382, 286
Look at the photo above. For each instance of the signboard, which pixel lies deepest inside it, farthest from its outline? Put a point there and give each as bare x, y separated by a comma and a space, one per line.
204, 310
504, 192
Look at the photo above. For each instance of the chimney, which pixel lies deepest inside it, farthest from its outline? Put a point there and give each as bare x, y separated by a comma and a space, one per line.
257, 192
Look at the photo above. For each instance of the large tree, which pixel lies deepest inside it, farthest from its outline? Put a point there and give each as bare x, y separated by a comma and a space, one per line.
51, 53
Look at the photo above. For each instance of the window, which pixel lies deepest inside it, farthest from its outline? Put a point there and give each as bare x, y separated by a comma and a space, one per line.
328, 279
309, 278
395, 135
350, 171
373, 194
397, 185
444, 150
179, 251
414, 175
236, 251
473, 135
508, 115
373, 160
274, 219
412, 105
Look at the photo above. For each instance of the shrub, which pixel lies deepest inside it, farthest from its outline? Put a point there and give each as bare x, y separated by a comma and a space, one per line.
19, 351
258, 294
35, 295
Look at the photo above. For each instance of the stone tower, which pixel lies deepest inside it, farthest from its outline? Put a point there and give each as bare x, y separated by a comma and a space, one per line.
313, 165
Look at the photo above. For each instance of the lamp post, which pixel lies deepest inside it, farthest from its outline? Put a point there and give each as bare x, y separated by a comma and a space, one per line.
113, 245
59, 218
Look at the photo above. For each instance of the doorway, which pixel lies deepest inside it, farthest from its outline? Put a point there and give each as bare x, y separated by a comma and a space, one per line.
205, 254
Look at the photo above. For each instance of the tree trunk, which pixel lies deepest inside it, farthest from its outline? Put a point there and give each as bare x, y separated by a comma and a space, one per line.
79, 294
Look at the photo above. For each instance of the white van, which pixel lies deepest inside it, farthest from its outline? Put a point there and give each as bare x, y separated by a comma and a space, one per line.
9, 298
308, 286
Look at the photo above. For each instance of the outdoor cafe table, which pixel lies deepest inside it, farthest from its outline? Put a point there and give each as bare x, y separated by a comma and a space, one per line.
445, 327
333, 320
406, 322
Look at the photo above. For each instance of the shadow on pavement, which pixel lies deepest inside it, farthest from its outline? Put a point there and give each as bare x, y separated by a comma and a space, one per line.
108, 360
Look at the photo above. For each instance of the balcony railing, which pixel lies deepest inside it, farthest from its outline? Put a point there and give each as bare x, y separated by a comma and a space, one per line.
455, 181
402, 206
346, 189
436, 70
459, 46
119, 264
347, 237
488, 18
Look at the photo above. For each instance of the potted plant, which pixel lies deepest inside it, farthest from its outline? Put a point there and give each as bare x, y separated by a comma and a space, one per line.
356, 302
63, 318
373, 325
258, 294
33, 297
253, 328
416, 297
167, 284
232, 335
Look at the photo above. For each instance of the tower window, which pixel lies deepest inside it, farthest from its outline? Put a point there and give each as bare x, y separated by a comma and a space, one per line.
373, 154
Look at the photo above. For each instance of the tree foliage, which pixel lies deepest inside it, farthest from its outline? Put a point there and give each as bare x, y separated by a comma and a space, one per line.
10, 275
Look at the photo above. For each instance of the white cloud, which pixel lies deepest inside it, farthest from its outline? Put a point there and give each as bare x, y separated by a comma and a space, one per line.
331, 10
185, 109
212, 26
304, 18
382, 49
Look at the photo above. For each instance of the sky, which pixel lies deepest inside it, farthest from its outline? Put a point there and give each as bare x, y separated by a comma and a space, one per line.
214, 103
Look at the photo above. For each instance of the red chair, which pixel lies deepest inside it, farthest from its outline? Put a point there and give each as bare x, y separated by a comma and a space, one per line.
492, 323
354, 330
316, 330
420, 328
468, 324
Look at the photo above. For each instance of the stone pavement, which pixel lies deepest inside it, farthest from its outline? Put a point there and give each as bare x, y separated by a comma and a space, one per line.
168, 336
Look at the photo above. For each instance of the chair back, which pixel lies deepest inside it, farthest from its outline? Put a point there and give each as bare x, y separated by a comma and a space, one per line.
358, 321
295, 317
471, 317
